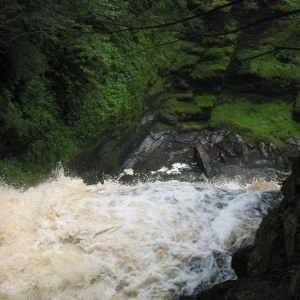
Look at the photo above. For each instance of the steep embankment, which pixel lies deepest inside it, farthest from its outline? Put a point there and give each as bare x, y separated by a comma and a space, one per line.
80, 90
270, 268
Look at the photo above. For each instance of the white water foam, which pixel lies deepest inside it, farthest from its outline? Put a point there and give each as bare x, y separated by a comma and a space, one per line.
176, 167
65, 240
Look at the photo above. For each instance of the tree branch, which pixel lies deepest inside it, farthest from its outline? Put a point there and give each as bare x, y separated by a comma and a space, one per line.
268, 52
173, 22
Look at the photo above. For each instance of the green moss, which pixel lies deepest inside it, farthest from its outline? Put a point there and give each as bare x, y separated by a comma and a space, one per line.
205, 100
210, 68
219, 52
269, 66
158, 86
230, 26
268, 121
178, 107
183, 96
248, 53
184, 60
192, 48
224, 98
184, 84
191, 126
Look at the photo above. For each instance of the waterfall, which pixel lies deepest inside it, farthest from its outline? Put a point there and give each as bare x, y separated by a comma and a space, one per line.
155, 240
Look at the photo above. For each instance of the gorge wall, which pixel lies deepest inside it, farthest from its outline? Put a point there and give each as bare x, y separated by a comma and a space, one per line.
216, 80
89, 91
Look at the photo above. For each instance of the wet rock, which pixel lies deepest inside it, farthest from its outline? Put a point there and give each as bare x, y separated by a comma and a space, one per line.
147, 119
292, 141
241, 148
273, 148
263, 149
218, 292
185, 138
218, 135
222, 157
203, 159
238, 148
245, 152
240, 260
204, 137
213, 136
251, 146
227, 147
148, 144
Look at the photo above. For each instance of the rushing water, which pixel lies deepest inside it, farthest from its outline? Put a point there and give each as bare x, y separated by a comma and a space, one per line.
66, 240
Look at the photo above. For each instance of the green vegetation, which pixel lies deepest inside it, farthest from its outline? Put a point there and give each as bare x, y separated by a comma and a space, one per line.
180, 107
205, 101
209, 69
72, 73
191, 126
268, 121
269, 67
297, 102
65, 82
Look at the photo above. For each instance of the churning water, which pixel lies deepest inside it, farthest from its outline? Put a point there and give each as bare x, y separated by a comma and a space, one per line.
66, 240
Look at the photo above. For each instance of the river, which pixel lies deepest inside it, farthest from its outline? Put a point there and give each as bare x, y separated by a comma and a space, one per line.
153, 240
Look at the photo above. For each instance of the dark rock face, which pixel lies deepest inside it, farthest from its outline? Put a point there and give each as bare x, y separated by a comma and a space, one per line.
203, 159
278, 237
240, 261
202, 154
296, 114
271, 268
207, 154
